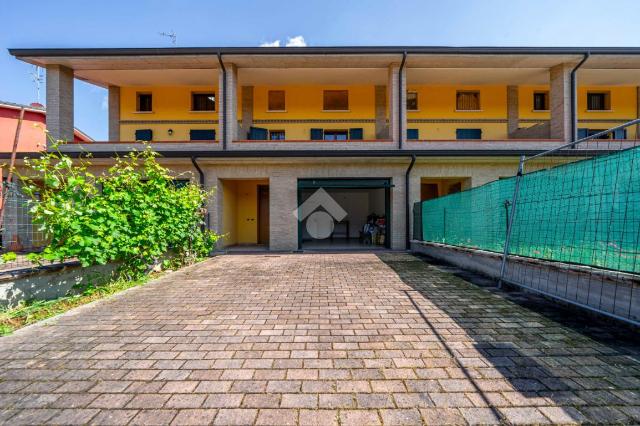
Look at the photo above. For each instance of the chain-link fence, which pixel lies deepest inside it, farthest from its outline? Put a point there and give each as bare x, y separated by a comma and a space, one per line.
574, 229
19, 234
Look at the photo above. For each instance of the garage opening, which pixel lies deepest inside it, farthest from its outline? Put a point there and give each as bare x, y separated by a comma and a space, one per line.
245, 215
344, 214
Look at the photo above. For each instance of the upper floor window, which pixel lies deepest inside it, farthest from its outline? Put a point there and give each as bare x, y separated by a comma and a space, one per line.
468, 133
467, 100
336, 100
336, 135
144, 102
276, 135
598, 101
541, 101
276, 100
412, 101
203, 102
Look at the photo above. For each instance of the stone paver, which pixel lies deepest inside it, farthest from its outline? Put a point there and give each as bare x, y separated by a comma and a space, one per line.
320, 339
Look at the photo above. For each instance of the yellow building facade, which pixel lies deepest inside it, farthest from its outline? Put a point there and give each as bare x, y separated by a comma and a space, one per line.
435, 118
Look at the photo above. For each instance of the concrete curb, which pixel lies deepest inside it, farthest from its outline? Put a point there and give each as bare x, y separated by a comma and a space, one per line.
111, 297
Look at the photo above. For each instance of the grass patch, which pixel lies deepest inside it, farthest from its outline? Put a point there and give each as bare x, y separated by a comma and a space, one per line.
30, 312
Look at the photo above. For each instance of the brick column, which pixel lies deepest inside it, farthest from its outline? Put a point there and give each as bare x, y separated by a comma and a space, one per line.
114, 113
396, 103
230, 120
512, 110
382, 129
398, 208
560, 101
247, 111
60, 102
283, 201
214, 204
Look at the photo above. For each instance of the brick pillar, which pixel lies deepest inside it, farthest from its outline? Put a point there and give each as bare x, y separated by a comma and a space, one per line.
396, 103
512, 110
398, 208
230, 120
283, 201
247, 111
382, 129
60, 102
214, 203
114, 113
560, 101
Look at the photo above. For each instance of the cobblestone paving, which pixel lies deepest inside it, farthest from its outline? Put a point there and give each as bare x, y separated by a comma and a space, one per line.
322, 339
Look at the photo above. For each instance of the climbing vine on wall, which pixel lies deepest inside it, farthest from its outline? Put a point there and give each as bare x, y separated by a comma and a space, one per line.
132, 213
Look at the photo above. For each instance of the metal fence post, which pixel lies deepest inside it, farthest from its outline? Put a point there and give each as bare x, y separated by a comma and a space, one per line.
444, 225
507, 239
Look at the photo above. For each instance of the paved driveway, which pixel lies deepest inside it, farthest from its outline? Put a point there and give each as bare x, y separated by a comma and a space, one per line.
318, 339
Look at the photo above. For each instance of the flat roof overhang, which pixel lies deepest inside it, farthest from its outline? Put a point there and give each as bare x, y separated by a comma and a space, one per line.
333, 65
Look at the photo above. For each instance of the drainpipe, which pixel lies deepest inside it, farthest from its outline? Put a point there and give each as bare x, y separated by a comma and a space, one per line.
407, 201
574, 99
400, 116
224, 102
201, 179
200, 173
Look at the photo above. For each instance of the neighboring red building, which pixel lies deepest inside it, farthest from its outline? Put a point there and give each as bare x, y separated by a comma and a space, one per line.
32, 133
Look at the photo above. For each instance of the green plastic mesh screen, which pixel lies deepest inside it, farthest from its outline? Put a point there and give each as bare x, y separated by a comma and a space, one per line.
586, 212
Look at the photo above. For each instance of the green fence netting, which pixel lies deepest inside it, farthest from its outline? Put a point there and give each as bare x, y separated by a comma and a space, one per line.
586, 212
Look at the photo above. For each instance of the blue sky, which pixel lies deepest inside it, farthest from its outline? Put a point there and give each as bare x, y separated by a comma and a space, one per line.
136, 23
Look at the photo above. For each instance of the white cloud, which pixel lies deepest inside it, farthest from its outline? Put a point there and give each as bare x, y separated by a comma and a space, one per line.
297, 41
275, 43
105, 103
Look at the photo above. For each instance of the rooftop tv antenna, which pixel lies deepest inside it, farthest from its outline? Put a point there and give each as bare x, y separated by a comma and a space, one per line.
38, 78
171, 35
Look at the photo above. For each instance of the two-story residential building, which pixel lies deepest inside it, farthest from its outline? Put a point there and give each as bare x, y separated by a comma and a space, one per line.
377, 128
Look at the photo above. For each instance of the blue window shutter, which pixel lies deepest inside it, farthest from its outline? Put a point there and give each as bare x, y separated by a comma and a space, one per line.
583, 133
258, 134
356, 134
202, 135
317, 134
413, 134
620, 134
144, 135
180, 183
468, 133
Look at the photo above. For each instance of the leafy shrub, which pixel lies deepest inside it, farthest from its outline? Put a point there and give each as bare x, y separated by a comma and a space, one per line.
132, 213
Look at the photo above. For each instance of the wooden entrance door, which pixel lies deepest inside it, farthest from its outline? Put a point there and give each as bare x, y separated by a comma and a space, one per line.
263, 214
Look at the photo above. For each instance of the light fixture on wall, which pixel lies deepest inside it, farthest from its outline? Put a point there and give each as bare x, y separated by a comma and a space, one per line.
170, 132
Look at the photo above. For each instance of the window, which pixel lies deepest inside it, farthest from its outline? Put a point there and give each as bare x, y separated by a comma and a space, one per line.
144, 102
541, 101
468, 101
202, 135
144, 135
276, 100
413, 134
619, 134
412, 101
276, 135
258, 134
336, 100
180, 183
203, 102
598, 101
468, 133
336, 135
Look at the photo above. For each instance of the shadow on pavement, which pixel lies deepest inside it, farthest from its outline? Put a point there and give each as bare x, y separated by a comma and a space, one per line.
549, 354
